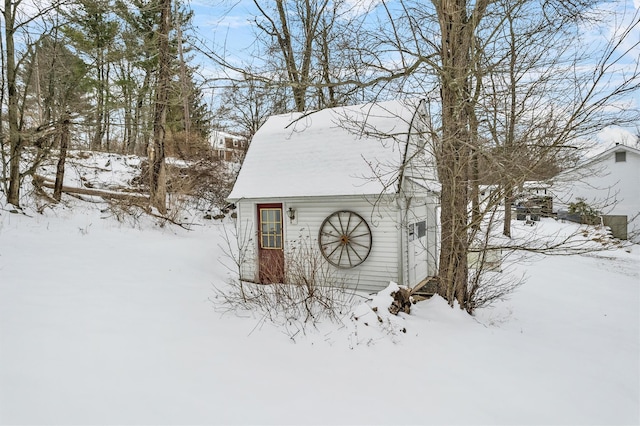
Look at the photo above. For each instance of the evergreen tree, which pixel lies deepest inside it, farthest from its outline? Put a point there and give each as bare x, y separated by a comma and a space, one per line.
92, 32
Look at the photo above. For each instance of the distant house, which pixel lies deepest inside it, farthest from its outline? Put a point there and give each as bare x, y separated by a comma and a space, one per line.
227, 146
357, 184
535, 188
609, 182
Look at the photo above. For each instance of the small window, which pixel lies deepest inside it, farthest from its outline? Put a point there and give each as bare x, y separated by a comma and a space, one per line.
422, 229
621, 156
417, 230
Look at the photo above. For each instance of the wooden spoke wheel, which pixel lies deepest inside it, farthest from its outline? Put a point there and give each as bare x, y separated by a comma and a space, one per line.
345, 239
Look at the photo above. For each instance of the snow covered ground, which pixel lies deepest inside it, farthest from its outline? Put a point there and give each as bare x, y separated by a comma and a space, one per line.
107, 323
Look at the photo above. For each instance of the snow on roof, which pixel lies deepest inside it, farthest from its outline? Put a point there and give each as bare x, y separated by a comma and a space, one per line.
339, 151
593, 164
221, 134
217, 138
616, 148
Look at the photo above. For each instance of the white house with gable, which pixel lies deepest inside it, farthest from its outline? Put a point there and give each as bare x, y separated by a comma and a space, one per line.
610, 182
357, 184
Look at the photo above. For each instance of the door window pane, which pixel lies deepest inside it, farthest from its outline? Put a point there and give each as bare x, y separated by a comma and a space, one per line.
271, 228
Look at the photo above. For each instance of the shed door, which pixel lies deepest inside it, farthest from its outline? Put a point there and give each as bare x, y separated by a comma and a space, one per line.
418, 268
270, 240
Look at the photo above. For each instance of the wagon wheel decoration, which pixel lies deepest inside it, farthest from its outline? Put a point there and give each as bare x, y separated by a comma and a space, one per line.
345, 239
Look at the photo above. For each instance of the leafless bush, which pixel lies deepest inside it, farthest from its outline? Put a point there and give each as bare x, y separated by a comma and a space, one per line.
489, 286
125, 211
210, 181
207, 180
237, 250
311, 290
187, 146
201, 184
314, 283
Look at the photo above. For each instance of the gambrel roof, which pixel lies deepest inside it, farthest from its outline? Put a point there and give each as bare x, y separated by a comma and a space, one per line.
355, 150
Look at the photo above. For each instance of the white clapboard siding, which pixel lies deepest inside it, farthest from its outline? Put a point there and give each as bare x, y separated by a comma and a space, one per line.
247, 241
375, 273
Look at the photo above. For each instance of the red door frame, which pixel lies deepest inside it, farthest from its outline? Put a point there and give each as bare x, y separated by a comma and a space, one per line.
270, 243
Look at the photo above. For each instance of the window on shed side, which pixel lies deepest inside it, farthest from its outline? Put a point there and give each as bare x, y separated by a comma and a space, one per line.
621, 156
421, 229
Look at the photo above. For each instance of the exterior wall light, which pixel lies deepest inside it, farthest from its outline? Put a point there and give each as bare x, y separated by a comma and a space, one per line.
291, 213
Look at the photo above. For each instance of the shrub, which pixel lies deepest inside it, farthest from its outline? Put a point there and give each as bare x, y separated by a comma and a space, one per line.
310, 292
588, 214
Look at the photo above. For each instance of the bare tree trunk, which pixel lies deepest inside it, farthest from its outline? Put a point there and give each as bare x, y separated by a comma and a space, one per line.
309, 14
508, 199
96, 143
326, 73
284, 40
510, 137
128, 141
474, 168
64, 145
184, 83
454, 153
15, 140
139, 119
3, 165
106, 115
157, 170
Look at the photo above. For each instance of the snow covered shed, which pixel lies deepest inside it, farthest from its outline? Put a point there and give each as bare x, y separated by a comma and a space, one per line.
357, 185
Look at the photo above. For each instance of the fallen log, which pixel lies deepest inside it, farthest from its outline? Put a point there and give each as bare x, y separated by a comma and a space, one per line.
45, 182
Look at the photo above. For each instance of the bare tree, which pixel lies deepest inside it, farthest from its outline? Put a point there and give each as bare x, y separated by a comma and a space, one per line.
59, 88
15, 139
313, 49
157, 168
539, 117
14, 22
297, 62
245, 106
515, 96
